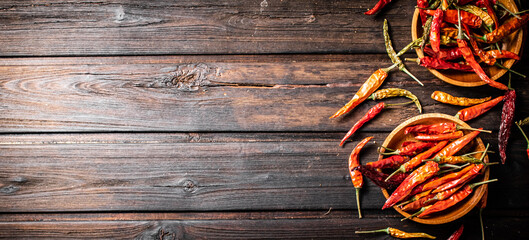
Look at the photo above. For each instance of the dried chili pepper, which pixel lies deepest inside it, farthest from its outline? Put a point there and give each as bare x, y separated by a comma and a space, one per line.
447, 178
422, 4
436, 63
457, 234
439, 137
475, 171
418, 176
453, 200
429, 199
482, 54
398, 233
458, 101
380, 4
372, 84
485, 17
469, 57
497, 54
455, 160
526, 139
395, 92
406, 143
378, 177
438, 128
410, 150
467, 18
511, 25
435, 31
368, 116
417, 160
393, 55
444, 53
507, 117
491, 13
457, 145
390, 162
356, 176
477, 110
449, 32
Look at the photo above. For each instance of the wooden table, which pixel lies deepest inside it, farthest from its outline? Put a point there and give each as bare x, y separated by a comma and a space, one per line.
209, 119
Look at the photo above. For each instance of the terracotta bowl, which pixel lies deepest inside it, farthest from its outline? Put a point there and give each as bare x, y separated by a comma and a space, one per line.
397, 137
512, 43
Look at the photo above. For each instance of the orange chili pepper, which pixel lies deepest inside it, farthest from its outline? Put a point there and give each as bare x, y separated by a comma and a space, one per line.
417, 160
390, 162
497, 54
511, 25
457, 145
447, 178
418, 176
467, 18
375, 110
460, 181
477, 110
372, 84
458, 101
356, 176
398, 233
439, 137
435, 30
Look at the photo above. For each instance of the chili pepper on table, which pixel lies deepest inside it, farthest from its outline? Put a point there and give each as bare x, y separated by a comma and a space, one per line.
372, 84
508, 27
453, 200
439, 137
458, 101
526, 139
368, 116
497, 54
393, 55
477, 110
356, 176
467, 18
435, 31
398, 233
417, 160
418, 176
457, 234
380, 4
436, 63
390, 162
396, 92
507, 117
410, 150
378, 177
444, 53
438, 128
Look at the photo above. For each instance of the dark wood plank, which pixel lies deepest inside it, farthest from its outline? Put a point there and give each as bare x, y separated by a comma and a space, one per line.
121, 27
241, 225
203, 172
210, 93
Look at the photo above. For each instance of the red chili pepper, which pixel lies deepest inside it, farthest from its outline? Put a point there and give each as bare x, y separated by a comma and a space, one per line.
444, 53
412, 149
435, 30
457, 234
457, 145
526, 139
477, 110
406, 143
463, 2
507, 118
482, 54
419, 190
429, 199
447, 178
356, 176
368, 116
380, 4
417, 160
390, 162
508, 27
418, 176
378, 177
421, 4
467, 18
491, 12
439, 137
437, 128
436, 63
497, 54
460, 181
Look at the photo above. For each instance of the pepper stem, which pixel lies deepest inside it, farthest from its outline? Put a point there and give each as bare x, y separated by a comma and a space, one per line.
483, 154
510, 70
451, 169
400, 169
460, 29
481, 224
406, 202
472, 129
523, 133
390, 67
417, 60
358, 202
508, 10
411, 75
385, 230
415, 214
392, 152
476, 152
473, 185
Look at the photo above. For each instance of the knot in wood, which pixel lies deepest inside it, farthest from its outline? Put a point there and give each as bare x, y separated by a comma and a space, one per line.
189, 186
9, 189
189, 77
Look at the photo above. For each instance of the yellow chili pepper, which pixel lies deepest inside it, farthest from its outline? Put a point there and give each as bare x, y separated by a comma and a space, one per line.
458, 101
398, 233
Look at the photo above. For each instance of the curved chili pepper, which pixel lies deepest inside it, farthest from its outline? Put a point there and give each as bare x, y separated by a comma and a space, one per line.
439, 137
436, 63
398, 233
438, 128
368, 116
477, 110
356, 176
435, 31
372, 84
507, 117
467, 18
457, 234
510, 26
453, 200
418, 176
457, 145
458, 101
411, 150
380, 4
396, 92
485, 17
417, 160
526, 139
390, 162
378, 177
444, 53
491, 13
497, 54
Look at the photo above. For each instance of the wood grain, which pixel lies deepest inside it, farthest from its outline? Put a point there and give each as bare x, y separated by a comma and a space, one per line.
209, 93
121, 27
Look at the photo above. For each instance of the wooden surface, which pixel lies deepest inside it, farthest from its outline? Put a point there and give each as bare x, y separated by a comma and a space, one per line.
209, 119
